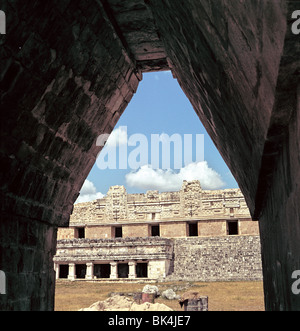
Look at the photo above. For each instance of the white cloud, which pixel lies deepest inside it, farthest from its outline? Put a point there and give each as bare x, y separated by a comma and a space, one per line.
147, 178
118, 137
88, 192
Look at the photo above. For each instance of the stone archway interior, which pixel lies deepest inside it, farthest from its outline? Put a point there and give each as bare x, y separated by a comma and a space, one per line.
68, 71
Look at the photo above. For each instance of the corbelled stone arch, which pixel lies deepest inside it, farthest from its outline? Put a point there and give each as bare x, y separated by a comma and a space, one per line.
65, 79
238, 63
68, 70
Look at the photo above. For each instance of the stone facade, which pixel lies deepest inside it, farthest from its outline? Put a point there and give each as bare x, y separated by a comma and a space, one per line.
193, 234
229, 258
208, 212
138, 257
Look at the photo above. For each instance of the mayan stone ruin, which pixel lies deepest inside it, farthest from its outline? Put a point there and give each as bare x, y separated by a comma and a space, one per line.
68, 70
191, 234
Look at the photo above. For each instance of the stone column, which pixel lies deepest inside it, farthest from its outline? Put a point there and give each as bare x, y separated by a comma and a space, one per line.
89, 270
72, 273
56, 269
113, 270
132, 269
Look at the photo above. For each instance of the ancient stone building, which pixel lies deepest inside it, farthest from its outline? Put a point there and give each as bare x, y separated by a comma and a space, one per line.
135, 235
68, 69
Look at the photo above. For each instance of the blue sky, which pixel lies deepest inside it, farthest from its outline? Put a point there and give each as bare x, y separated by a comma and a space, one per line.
158, 107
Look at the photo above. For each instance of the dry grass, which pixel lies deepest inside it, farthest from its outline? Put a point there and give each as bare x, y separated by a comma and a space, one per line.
227, 296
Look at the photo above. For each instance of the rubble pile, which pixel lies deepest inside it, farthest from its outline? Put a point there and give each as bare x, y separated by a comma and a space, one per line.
123, 303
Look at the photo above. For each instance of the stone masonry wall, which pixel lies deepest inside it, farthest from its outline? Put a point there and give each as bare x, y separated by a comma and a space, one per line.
113, 249
123, 207
198, 259
226, 62
279, 264
64, 79
217, 258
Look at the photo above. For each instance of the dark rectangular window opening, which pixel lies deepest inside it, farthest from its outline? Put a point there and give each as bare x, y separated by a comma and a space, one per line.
63, 271
193, 229
80, 233
80, 270
123, 270
102, 270
232, 228
118, 232
142, 270
155, 231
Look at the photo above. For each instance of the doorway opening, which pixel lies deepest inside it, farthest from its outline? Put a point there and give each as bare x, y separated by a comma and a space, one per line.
142, 270
63, 271
102, 270
193, 229
79, 233
123, 270
118, 232
80, 270
232, 228
155, 232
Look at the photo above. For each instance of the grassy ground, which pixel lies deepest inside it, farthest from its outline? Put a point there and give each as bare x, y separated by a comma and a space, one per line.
227, 296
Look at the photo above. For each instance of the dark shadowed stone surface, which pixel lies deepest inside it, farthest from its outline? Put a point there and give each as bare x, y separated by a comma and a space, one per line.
68, 70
